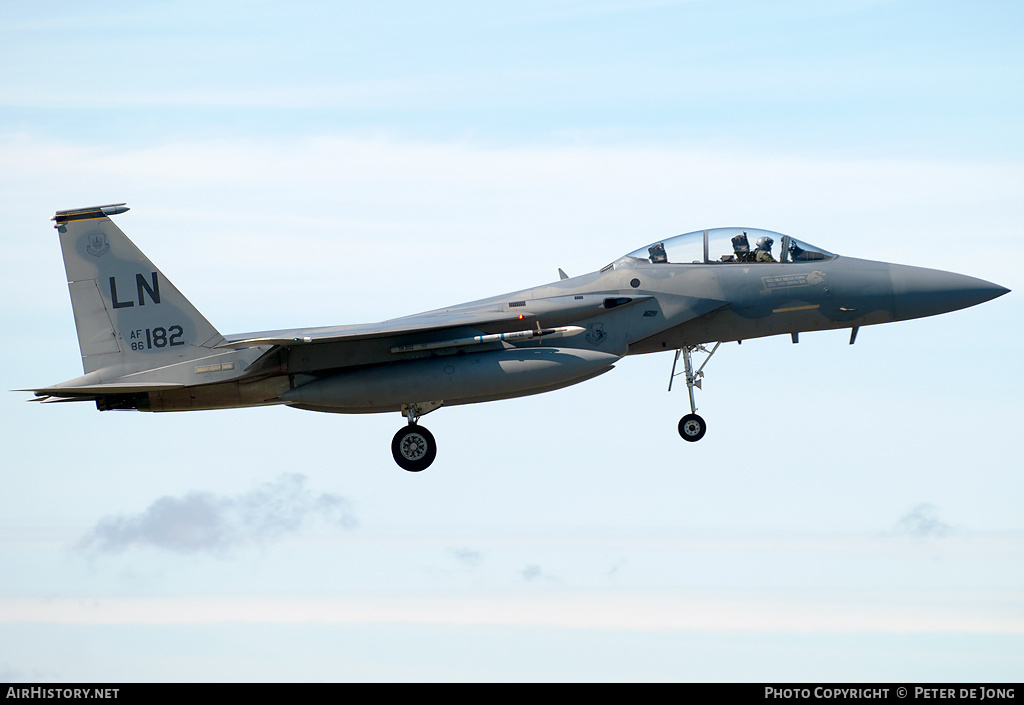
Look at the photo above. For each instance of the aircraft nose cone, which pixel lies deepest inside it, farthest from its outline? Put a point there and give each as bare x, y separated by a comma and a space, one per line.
921, 292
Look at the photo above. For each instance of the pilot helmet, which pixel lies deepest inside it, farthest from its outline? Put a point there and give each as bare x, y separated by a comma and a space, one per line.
658, 254
765, 243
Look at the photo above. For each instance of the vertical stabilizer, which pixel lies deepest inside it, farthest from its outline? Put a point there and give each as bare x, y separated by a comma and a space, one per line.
129, 316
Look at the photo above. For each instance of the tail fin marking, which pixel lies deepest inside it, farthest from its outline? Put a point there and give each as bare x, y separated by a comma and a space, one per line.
129, 316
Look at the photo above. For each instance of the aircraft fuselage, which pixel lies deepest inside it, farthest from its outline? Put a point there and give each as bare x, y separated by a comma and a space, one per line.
144, 346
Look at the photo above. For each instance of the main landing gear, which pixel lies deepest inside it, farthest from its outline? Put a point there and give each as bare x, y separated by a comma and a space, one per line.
414, 447
691, 427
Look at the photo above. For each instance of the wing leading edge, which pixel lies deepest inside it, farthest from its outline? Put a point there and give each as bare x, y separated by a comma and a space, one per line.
335, 334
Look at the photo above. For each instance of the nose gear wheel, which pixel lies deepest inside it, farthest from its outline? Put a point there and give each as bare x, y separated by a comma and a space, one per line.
692, 427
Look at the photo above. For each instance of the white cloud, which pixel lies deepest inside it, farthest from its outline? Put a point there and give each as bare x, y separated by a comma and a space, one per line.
201, 522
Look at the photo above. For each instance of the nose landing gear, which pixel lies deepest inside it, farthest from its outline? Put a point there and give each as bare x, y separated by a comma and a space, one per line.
691, 427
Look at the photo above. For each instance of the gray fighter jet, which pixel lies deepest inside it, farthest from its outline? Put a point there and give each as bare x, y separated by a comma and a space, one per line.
145, 347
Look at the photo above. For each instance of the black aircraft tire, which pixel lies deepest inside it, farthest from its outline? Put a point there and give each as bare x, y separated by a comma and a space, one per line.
692, 428
414, 448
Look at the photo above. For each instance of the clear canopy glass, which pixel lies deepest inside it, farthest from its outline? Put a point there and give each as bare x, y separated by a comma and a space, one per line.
725, 246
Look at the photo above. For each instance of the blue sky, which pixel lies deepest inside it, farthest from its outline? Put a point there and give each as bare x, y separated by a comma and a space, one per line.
853, 512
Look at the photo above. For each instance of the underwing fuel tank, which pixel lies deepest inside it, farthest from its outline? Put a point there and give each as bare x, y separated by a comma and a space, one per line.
454, 379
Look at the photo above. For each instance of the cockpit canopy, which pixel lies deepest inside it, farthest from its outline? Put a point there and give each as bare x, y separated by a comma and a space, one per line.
725, 246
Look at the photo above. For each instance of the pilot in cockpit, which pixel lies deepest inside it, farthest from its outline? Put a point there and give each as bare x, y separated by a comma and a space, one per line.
658, 255
763, 252
741, 249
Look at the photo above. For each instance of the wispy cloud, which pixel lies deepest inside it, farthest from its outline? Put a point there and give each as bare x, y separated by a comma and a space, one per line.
922, 522
467, 556
202, 522
534, 572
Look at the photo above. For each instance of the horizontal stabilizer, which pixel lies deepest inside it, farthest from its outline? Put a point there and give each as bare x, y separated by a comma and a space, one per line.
93, 389
57, 400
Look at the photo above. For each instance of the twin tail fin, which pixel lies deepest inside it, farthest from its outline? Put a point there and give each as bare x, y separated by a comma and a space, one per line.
129, 316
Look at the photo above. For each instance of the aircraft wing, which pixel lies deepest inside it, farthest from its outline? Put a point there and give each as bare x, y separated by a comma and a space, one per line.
412, 324
556, 310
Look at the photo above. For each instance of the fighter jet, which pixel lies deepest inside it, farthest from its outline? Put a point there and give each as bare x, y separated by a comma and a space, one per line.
144, 346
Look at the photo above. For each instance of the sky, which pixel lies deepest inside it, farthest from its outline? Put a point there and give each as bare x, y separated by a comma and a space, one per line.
853, 513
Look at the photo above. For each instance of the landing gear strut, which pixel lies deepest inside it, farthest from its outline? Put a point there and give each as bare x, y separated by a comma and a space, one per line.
691, 427
414, 447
